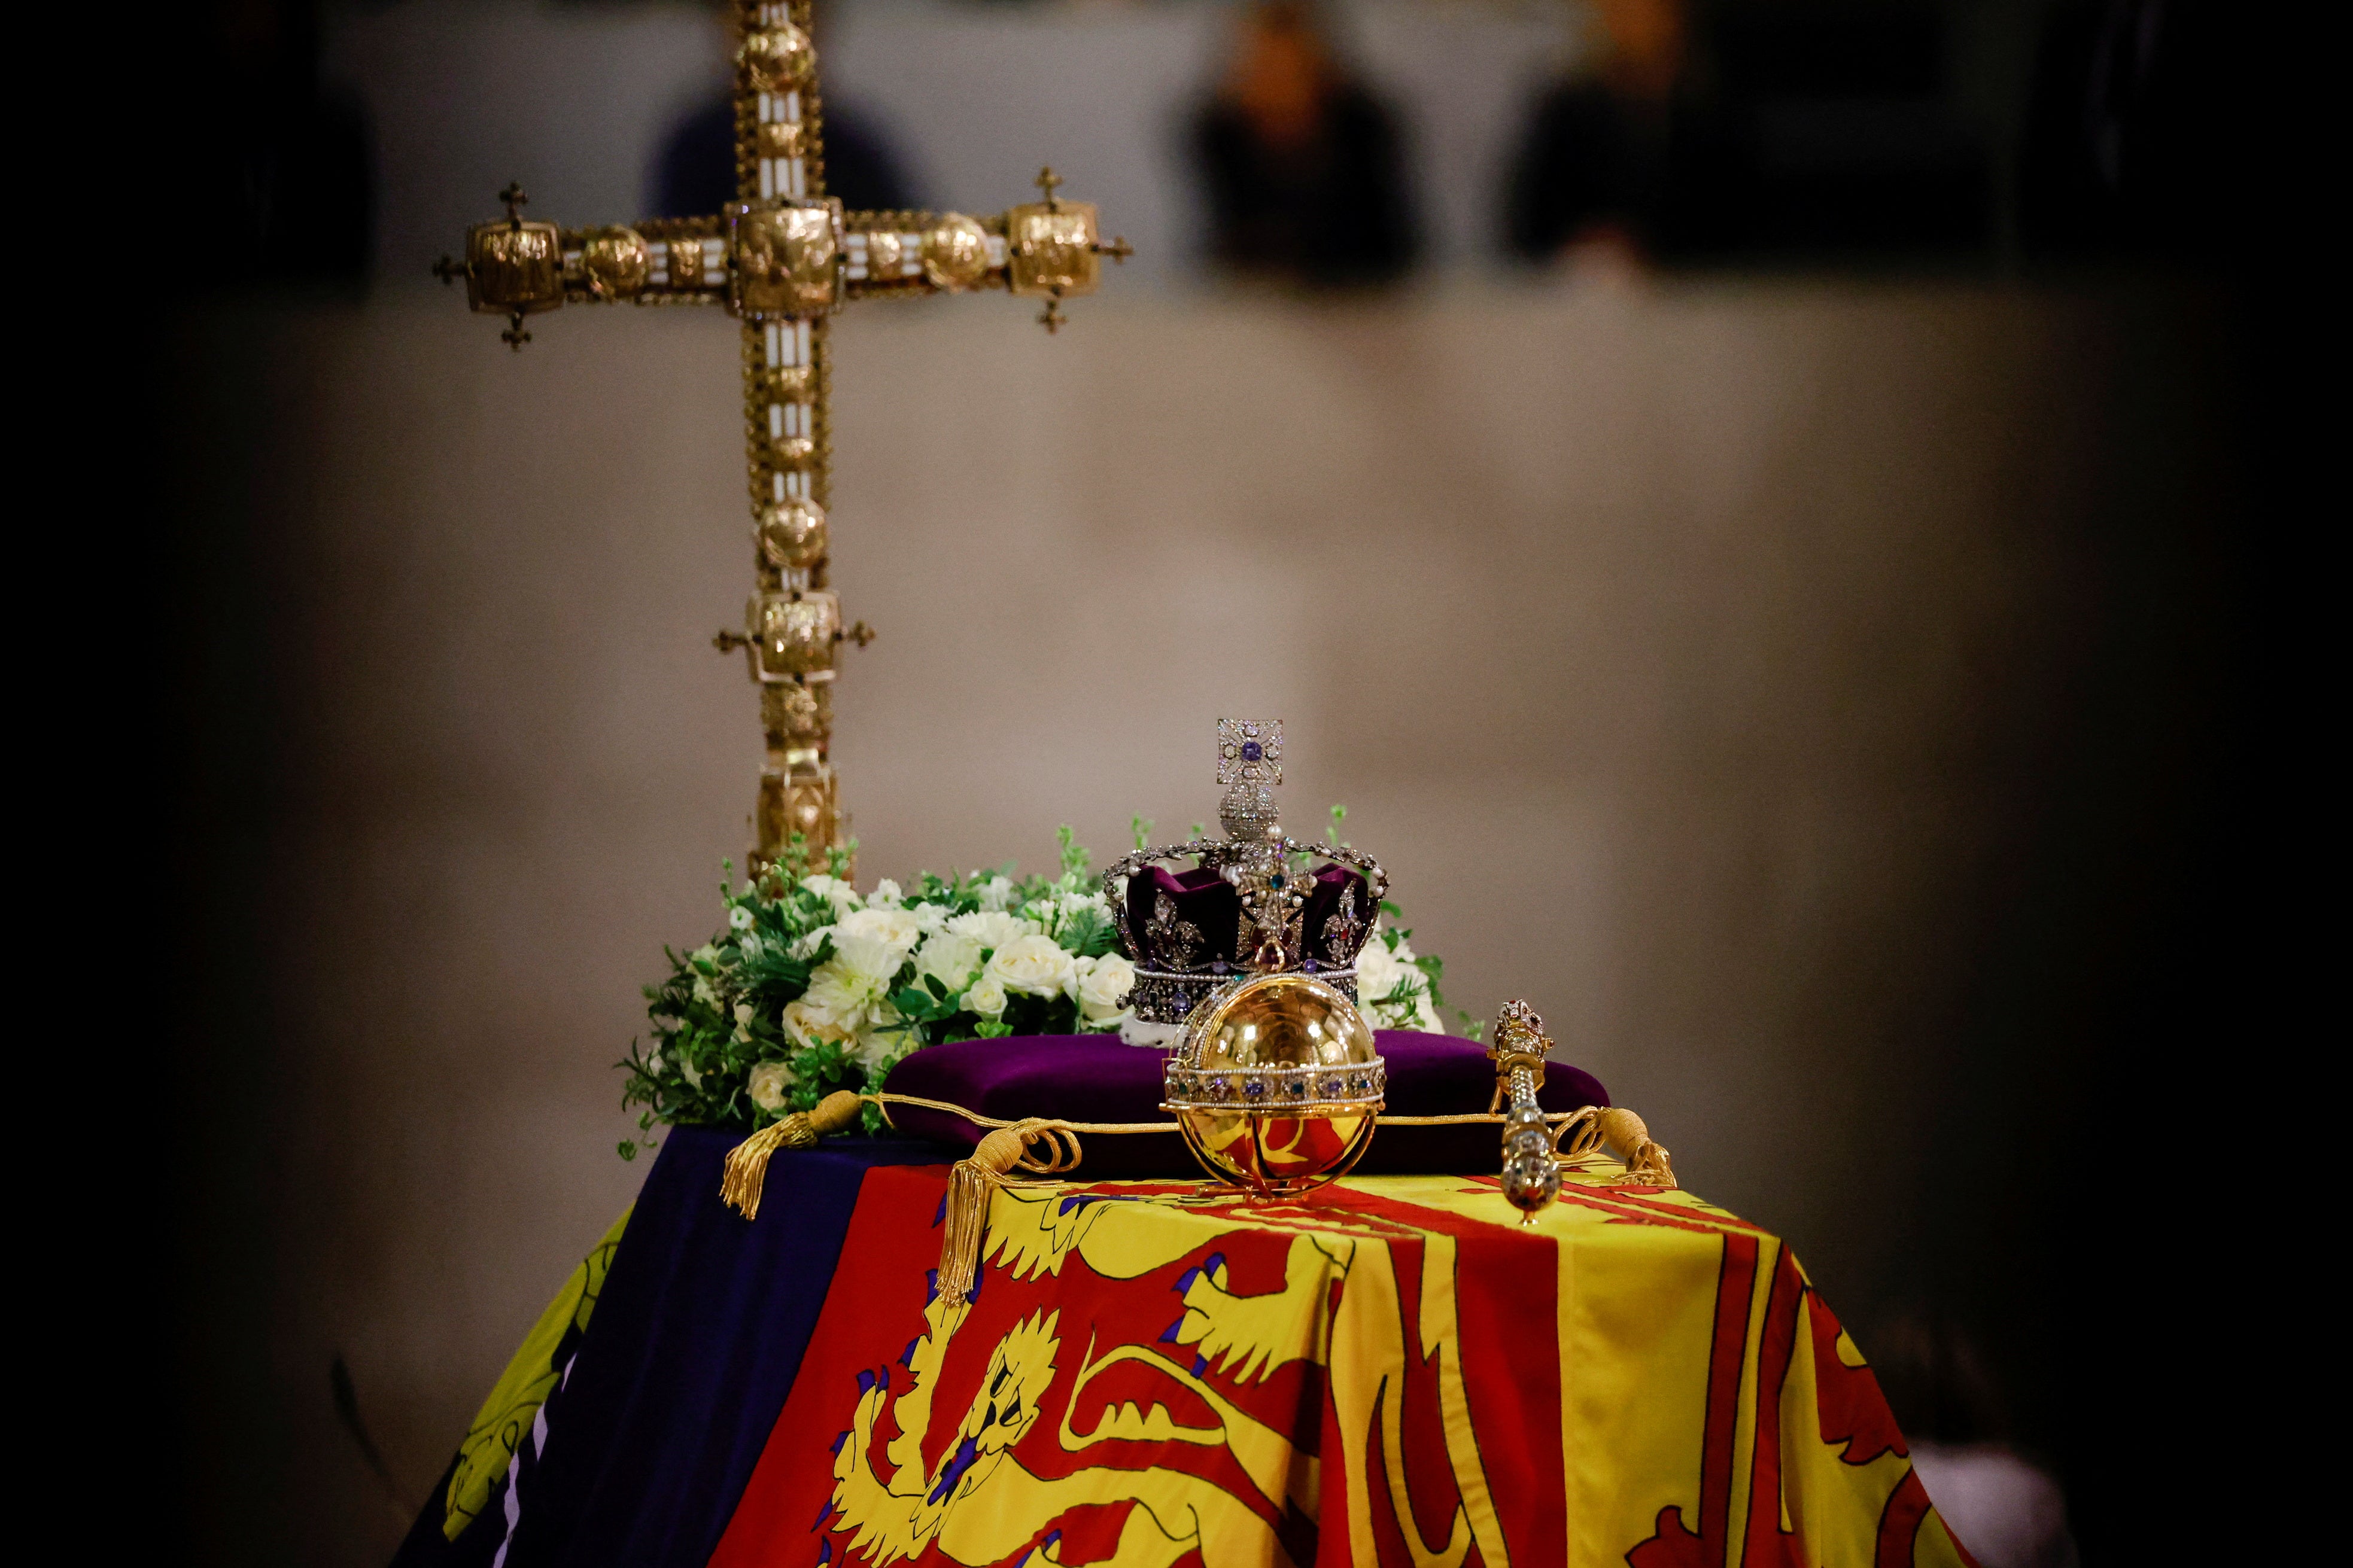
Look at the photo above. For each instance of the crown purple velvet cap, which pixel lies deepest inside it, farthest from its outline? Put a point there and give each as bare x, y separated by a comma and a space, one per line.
1204, 902
1095, 1077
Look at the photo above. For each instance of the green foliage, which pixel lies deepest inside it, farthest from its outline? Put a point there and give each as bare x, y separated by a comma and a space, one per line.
775, 1012
739, 1040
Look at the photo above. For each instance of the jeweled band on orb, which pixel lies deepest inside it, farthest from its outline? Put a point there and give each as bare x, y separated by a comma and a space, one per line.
1309, 1087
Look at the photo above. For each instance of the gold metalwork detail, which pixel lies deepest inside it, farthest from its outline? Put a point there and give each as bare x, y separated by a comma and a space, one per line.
686, 263
796, 714
796, 632
797, 802
1051, 250
788, 383
886, 254
512, 268
617, 262
794, 453
783, 139
776, 58
787, 259
793, 534
955, 253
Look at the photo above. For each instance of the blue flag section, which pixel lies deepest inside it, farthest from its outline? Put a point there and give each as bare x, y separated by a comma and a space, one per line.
660, 1409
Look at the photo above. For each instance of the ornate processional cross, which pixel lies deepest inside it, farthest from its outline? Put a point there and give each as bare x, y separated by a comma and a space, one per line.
782, 259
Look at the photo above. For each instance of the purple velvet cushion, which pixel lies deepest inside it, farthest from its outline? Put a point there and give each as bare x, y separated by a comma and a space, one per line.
1095, 1077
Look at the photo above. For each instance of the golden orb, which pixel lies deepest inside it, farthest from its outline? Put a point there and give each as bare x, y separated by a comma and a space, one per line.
1276, 1083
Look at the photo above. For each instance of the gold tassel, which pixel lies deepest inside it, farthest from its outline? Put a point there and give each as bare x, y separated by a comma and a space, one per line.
1647, 1164
973, 1181
746, 1171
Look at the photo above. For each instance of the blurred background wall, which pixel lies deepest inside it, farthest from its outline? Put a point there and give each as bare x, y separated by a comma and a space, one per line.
1794, 648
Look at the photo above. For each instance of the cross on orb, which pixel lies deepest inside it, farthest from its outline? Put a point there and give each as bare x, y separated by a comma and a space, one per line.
783, 258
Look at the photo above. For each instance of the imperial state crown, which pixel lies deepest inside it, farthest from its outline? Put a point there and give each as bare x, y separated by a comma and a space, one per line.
1248, 904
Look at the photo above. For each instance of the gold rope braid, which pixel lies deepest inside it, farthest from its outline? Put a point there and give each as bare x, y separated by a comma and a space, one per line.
1007, 1147
884, 1101
747, 1163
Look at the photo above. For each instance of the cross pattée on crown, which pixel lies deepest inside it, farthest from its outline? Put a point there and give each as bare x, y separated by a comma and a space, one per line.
1250, 751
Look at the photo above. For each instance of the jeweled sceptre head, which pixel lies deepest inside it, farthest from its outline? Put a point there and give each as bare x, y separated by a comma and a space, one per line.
1531, 1174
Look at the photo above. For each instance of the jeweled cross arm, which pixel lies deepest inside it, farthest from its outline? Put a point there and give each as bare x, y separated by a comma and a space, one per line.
791, 257
783, 258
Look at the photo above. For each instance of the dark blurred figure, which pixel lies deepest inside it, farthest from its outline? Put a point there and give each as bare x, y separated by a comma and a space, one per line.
278, 173
1623, 160
1303, 167
696, 171
2130, 129
1754, 127
2007, 1512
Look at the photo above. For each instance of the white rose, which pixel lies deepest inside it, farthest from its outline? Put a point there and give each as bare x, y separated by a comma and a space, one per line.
996, 894
835, 891
992, 928
931, 916
1103, 990
885, 896
809, 1024
949, 958
1378, 973
1035, 963
847, 991
767, 1084
985, 997
870, 958
893, 927
1421, 1015
1377, 970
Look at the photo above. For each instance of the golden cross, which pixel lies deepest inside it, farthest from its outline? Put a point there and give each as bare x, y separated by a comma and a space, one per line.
782, 259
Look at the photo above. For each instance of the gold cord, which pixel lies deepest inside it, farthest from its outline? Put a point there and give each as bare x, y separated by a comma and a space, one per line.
1005, 1148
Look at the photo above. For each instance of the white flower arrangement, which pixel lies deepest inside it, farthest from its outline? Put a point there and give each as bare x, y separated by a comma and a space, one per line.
811, 987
